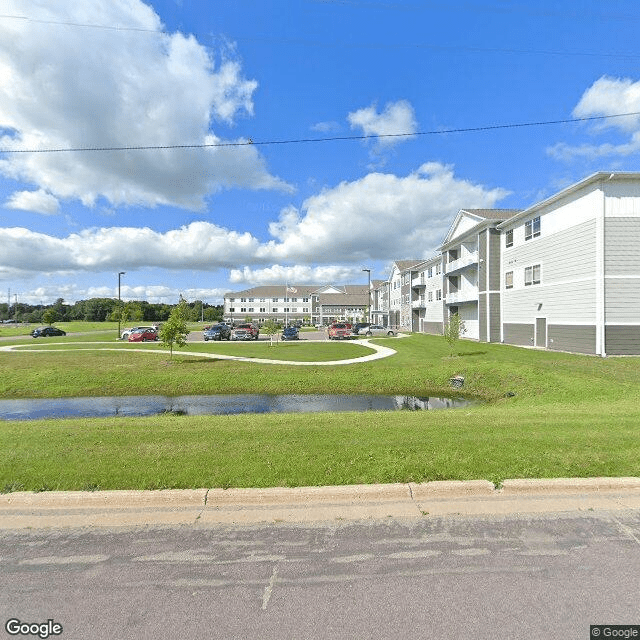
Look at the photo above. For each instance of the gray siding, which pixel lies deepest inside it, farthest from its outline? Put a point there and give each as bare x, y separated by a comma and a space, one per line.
576, 338
622, 237
494, 317
482, 261
494, 260
518, 334
433, 327
482, 317
622, 340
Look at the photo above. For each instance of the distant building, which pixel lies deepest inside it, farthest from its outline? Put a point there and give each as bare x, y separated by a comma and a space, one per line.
305, 303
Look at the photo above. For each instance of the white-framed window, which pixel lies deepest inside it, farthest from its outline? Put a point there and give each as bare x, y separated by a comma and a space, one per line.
251, 300
232, 309
430, 272
274, 300
287, 310
263, 309
532, 275
532, 228
508, 280
438, 269
430, 296
438, 294
250, 309
274, 310
508, 236
243, 309
243, 299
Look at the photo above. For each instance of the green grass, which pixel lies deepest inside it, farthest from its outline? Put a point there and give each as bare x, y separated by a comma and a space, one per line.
544, 414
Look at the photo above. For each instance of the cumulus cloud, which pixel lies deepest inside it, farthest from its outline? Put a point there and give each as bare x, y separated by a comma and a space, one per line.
397, 118
379, 217
200, 245
305, 274
606, 97
37, 201
133, 85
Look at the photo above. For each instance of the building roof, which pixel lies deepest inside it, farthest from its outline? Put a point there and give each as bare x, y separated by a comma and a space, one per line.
494, 214
301, 291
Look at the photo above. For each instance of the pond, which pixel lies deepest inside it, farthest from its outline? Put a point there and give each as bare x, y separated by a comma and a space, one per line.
35, 409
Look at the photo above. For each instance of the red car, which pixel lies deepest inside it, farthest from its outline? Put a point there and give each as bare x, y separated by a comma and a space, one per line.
143, 335
339, 331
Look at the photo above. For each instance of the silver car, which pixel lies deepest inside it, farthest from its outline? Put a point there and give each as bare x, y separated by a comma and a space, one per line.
376, 330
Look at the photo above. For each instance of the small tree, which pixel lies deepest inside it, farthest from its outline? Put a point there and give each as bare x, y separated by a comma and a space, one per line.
453, 330
49, 316
174, 330
270, 328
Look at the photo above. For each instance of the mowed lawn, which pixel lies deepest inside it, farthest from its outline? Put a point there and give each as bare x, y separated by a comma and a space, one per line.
539, 414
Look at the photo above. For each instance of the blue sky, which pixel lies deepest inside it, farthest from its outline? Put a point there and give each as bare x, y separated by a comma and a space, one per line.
290, 114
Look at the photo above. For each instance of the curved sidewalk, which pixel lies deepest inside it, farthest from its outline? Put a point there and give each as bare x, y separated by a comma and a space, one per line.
378, 353
213, 507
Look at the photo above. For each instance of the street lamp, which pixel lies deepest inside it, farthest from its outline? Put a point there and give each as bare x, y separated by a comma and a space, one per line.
369, 292
120, 274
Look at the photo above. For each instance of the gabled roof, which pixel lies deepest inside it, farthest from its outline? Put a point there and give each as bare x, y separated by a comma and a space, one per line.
472, 221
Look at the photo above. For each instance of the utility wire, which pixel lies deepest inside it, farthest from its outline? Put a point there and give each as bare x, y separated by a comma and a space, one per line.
252, 142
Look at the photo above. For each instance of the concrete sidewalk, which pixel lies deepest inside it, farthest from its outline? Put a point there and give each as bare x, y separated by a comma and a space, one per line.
210, 507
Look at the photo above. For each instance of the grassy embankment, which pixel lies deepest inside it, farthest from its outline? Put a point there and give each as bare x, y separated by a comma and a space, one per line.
570, 416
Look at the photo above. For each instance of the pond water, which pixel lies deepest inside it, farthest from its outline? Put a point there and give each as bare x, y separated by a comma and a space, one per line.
35, 409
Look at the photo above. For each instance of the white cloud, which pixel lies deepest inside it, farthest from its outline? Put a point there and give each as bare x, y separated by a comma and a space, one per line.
200, 245
63, 87
379, 217
397, 118
37, 201
303, 274
606, 97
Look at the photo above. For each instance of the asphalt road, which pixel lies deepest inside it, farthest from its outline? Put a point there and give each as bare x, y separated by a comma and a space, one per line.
514, 577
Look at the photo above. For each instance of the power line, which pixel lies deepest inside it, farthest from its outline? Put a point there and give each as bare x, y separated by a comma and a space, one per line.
252, 142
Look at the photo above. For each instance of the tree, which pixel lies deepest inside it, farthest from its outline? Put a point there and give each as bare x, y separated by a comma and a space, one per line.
49, 316
453, 330
270, 327
174, 330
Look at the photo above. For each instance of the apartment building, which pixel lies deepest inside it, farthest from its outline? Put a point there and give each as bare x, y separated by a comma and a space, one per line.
297, 303
570, 269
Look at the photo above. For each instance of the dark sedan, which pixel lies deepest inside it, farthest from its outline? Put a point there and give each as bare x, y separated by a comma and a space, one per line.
290, 333
43, 332
217, 332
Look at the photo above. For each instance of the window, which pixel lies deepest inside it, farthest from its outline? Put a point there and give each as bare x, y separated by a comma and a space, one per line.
438, 269
430, 272
243, 299
532, 275
438, 294
243, 309
508, 280
274, 310
250, 299
305, 299
250, 309
263, 309
287, 310
532, 228
509, 238
430, 296
274, 300
232, 309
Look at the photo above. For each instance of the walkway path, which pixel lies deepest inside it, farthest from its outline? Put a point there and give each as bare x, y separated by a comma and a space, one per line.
378, 353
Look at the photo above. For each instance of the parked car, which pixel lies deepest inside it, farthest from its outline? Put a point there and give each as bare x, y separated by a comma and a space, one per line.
291, 333
127, 332
143, 335
245, 332
217, 332
43, 332
360, 326
377, 330
339, 331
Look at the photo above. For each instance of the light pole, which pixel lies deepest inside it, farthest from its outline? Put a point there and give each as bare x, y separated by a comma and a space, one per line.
369, 292
120, 274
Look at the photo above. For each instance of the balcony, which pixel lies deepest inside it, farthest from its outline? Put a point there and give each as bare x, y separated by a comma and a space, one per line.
418, 304
461, 263
419, 282
462, 295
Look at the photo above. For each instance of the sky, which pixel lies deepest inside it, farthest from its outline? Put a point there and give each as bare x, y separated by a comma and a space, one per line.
205, 146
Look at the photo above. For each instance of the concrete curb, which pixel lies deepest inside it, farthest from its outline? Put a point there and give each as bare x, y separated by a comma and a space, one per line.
211, 507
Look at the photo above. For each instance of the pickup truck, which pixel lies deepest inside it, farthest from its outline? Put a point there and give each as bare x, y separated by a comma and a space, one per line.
245, 332
339, 331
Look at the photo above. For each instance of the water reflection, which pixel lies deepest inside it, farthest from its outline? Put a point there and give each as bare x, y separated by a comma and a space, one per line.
34, 409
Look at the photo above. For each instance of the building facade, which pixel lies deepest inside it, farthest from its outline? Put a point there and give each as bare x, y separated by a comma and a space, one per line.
308, 304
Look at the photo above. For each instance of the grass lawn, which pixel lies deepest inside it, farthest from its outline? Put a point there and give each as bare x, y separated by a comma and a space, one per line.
543, 414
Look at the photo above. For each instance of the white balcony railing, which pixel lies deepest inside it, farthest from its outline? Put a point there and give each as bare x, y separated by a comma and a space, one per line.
461, 263
463, 295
